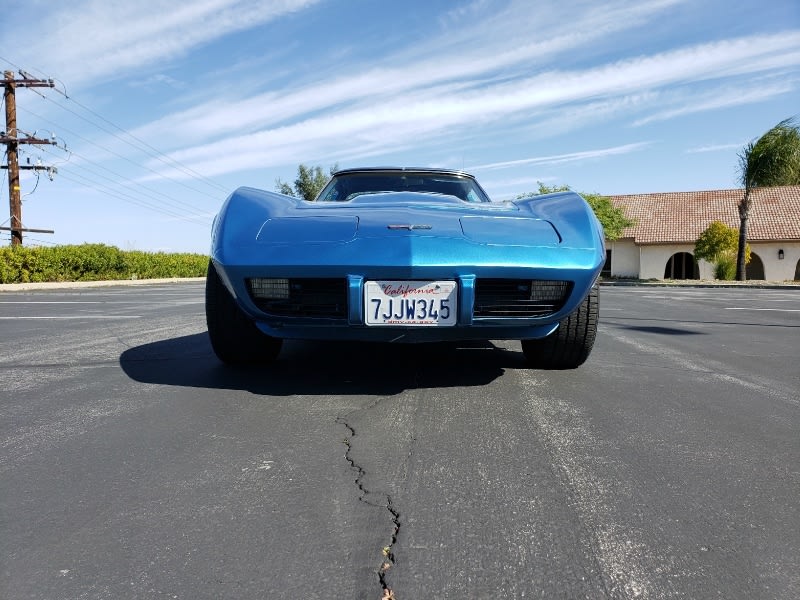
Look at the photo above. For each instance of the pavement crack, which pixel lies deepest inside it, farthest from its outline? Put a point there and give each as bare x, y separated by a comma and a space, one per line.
366, 496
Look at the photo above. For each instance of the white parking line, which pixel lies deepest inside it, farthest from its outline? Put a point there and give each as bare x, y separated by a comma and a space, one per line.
770, 309
74, 317
51, 302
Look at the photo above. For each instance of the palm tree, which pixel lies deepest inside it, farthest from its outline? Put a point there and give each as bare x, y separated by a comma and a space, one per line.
774, 159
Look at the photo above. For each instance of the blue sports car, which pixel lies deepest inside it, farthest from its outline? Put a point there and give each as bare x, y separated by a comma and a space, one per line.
404, 255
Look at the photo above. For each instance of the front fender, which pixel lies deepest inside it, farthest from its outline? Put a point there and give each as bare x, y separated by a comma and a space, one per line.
240, 218
571, 216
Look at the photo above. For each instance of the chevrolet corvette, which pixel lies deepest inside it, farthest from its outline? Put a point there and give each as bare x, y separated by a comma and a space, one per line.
404, 255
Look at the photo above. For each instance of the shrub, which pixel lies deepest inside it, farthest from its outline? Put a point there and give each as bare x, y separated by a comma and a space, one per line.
725, 267
718, 245
94, 262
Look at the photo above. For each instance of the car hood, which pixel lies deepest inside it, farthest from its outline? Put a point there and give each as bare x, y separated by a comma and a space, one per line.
251, 221
395, 215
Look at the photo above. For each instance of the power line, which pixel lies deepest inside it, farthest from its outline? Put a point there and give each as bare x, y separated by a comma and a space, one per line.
154, 194
102, 173
42, 242
155, 152
121, 157
166, 159
141, 145
131, 199
159, 174
102, 182
105, 181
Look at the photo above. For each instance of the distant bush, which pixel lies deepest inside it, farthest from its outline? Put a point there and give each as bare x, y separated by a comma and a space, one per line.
725, 267
718, 245
94, 262
156, 265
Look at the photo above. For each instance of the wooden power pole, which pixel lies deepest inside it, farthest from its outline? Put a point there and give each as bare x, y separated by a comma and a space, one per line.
12, 140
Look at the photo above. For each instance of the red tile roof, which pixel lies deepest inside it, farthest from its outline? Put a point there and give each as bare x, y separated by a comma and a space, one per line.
680, 217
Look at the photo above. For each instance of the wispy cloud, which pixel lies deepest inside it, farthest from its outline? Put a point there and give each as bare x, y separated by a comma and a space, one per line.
722, 97
375, 84
564, 158
715, 148
159, 80
497, 49
485, 69
351, 121
108, 39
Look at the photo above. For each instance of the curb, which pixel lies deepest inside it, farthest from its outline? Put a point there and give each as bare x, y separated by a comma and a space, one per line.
58, 285
694, 283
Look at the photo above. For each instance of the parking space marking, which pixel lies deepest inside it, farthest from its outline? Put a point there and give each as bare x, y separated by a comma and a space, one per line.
769, 309
60, 317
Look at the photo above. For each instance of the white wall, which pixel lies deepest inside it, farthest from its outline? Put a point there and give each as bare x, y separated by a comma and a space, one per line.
624, 258
706, 268
775, 269
654, 259
649, 262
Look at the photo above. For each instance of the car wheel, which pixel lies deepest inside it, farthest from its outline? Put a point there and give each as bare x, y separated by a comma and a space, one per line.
234, 337
568, 346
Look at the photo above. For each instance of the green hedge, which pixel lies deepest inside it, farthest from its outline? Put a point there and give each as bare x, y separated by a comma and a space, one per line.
94, 262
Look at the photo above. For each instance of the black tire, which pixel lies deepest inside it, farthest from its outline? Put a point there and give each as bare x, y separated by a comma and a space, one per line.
234, 337
569, 346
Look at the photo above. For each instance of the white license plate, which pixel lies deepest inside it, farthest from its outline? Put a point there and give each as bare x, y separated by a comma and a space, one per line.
411, 303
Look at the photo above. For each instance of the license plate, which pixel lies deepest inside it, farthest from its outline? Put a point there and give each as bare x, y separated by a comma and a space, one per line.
411, 303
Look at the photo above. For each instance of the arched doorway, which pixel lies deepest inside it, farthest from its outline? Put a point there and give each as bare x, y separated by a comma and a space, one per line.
682, 265
755, 268
797, 271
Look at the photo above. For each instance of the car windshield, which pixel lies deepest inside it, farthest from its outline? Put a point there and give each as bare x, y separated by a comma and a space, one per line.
346, 186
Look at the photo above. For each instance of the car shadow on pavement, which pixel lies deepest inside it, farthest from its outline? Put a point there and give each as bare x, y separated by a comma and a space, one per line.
322, 367
661, 330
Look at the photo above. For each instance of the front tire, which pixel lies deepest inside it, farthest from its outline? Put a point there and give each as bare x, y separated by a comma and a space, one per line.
234, 337
569, 346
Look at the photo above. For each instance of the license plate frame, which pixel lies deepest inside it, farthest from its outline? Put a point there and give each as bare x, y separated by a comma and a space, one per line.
417, 303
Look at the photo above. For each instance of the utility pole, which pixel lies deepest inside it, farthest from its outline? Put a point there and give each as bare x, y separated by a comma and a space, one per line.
12, 140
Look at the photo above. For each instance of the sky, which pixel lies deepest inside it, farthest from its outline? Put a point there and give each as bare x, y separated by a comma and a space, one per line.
161, 109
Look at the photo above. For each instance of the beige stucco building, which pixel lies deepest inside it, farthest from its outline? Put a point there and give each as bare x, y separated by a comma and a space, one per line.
661, 243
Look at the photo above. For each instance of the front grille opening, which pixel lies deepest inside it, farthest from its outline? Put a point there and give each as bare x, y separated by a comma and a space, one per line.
521, 298
300, 297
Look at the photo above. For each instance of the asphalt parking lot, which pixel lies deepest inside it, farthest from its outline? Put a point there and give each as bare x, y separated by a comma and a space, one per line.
134, 465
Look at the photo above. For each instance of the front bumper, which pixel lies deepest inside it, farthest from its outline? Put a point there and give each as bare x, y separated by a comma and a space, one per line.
472, 323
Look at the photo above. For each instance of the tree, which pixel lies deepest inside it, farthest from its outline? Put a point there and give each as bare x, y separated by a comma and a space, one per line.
611, 217
772, 160
717, 244
309, 182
